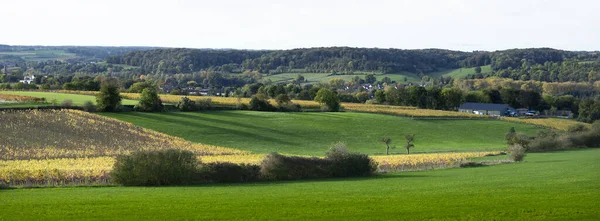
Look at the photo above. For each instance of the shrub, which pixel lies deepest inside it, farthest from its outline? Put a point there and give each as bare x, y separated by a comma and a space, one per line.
225, 172
346, 164
67, 103
279, 167
109, 98
520, 139
589, 138
546, 144
89, 106
204, 104
155, 168
186, 104
282, 100
577, 128
260, 103
516, 152
149, 101
329, 99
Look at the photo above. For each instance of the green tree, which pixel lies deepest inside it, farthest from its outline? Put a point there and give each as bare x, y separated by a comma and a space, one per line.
109, 99
589, 110
299, 78
387, 141
138, 87
329, 99
410, 139
379, 96
452, 98
478, 70
370, 78
149, 101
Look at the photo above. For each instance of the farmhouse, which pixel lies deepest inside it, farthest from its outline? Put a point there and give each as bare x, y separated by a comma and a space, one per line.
28, 79
486, 109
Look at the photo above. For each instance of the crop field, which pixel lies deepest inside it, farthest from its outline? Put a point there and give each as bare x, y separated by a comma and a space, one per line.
95, 170
312, 133
48, 134
78, 99
75, 147
409, 111
555, 123
546, 186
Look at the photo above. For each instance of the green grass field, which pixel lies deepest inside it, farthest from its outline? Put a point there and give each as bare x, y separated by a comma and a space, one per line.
313, 78
546, 186
312, 133
42, 55
398, 77
60, 97
460, 72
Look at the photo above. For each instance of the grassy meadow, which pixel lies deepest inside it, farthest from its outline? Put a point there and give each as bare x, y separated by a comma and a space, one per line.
78, 99
546, 186
459, 72
312, 133
314, 78
42, 55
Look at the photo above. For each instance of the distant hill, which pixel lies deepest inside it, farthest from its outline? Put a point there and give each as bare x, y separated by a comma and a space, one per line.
542, 64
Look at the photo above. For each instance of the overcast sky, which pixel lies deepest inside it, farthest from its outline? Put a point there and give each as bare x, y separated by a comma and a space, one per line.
279, 24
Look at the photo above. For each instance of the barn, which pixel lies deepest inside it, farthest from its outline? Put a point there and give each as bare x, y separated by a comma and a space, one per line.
486, 109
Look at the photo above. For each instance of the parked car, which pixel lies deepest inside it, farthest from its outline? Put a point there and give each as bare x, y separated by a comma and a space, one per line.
511, 114
531, 113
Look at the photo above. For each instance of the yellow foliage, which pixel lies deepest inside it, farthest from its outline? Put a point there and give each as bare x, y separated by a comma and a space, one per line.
66, 170
555, 123
408, 111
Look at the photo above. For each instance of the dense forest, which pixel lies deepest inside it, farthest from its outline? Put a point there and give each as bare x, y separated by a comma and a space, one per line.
540, 64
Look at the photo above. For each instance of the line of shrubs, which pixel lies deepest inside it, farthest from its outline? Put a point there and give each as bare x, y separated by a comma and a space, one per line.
578, 136
180, 167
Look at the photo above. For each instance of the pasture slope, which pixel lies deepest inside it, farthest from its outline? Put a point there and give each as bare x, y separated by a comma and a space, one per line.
398, 77
312, 133
77, 99
546, 186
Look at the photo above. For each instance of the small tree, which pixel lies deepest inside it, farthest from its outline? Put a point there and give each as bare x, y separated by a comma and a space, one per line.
149, 101
186, 104
410, 138
387, 141
329, 99
109, 98
510, 135
516, 152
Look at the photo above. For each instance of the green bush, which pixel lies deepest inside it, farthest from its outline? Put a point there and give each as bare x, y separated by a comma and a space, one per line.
155, 168
89, 106
346, 164
590, 138
577, 128
204, 104
109, 98
149, 101
337, 163
279, 167
67, 103
186, 104
225, 172
516, 152
328, 99
260, 103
